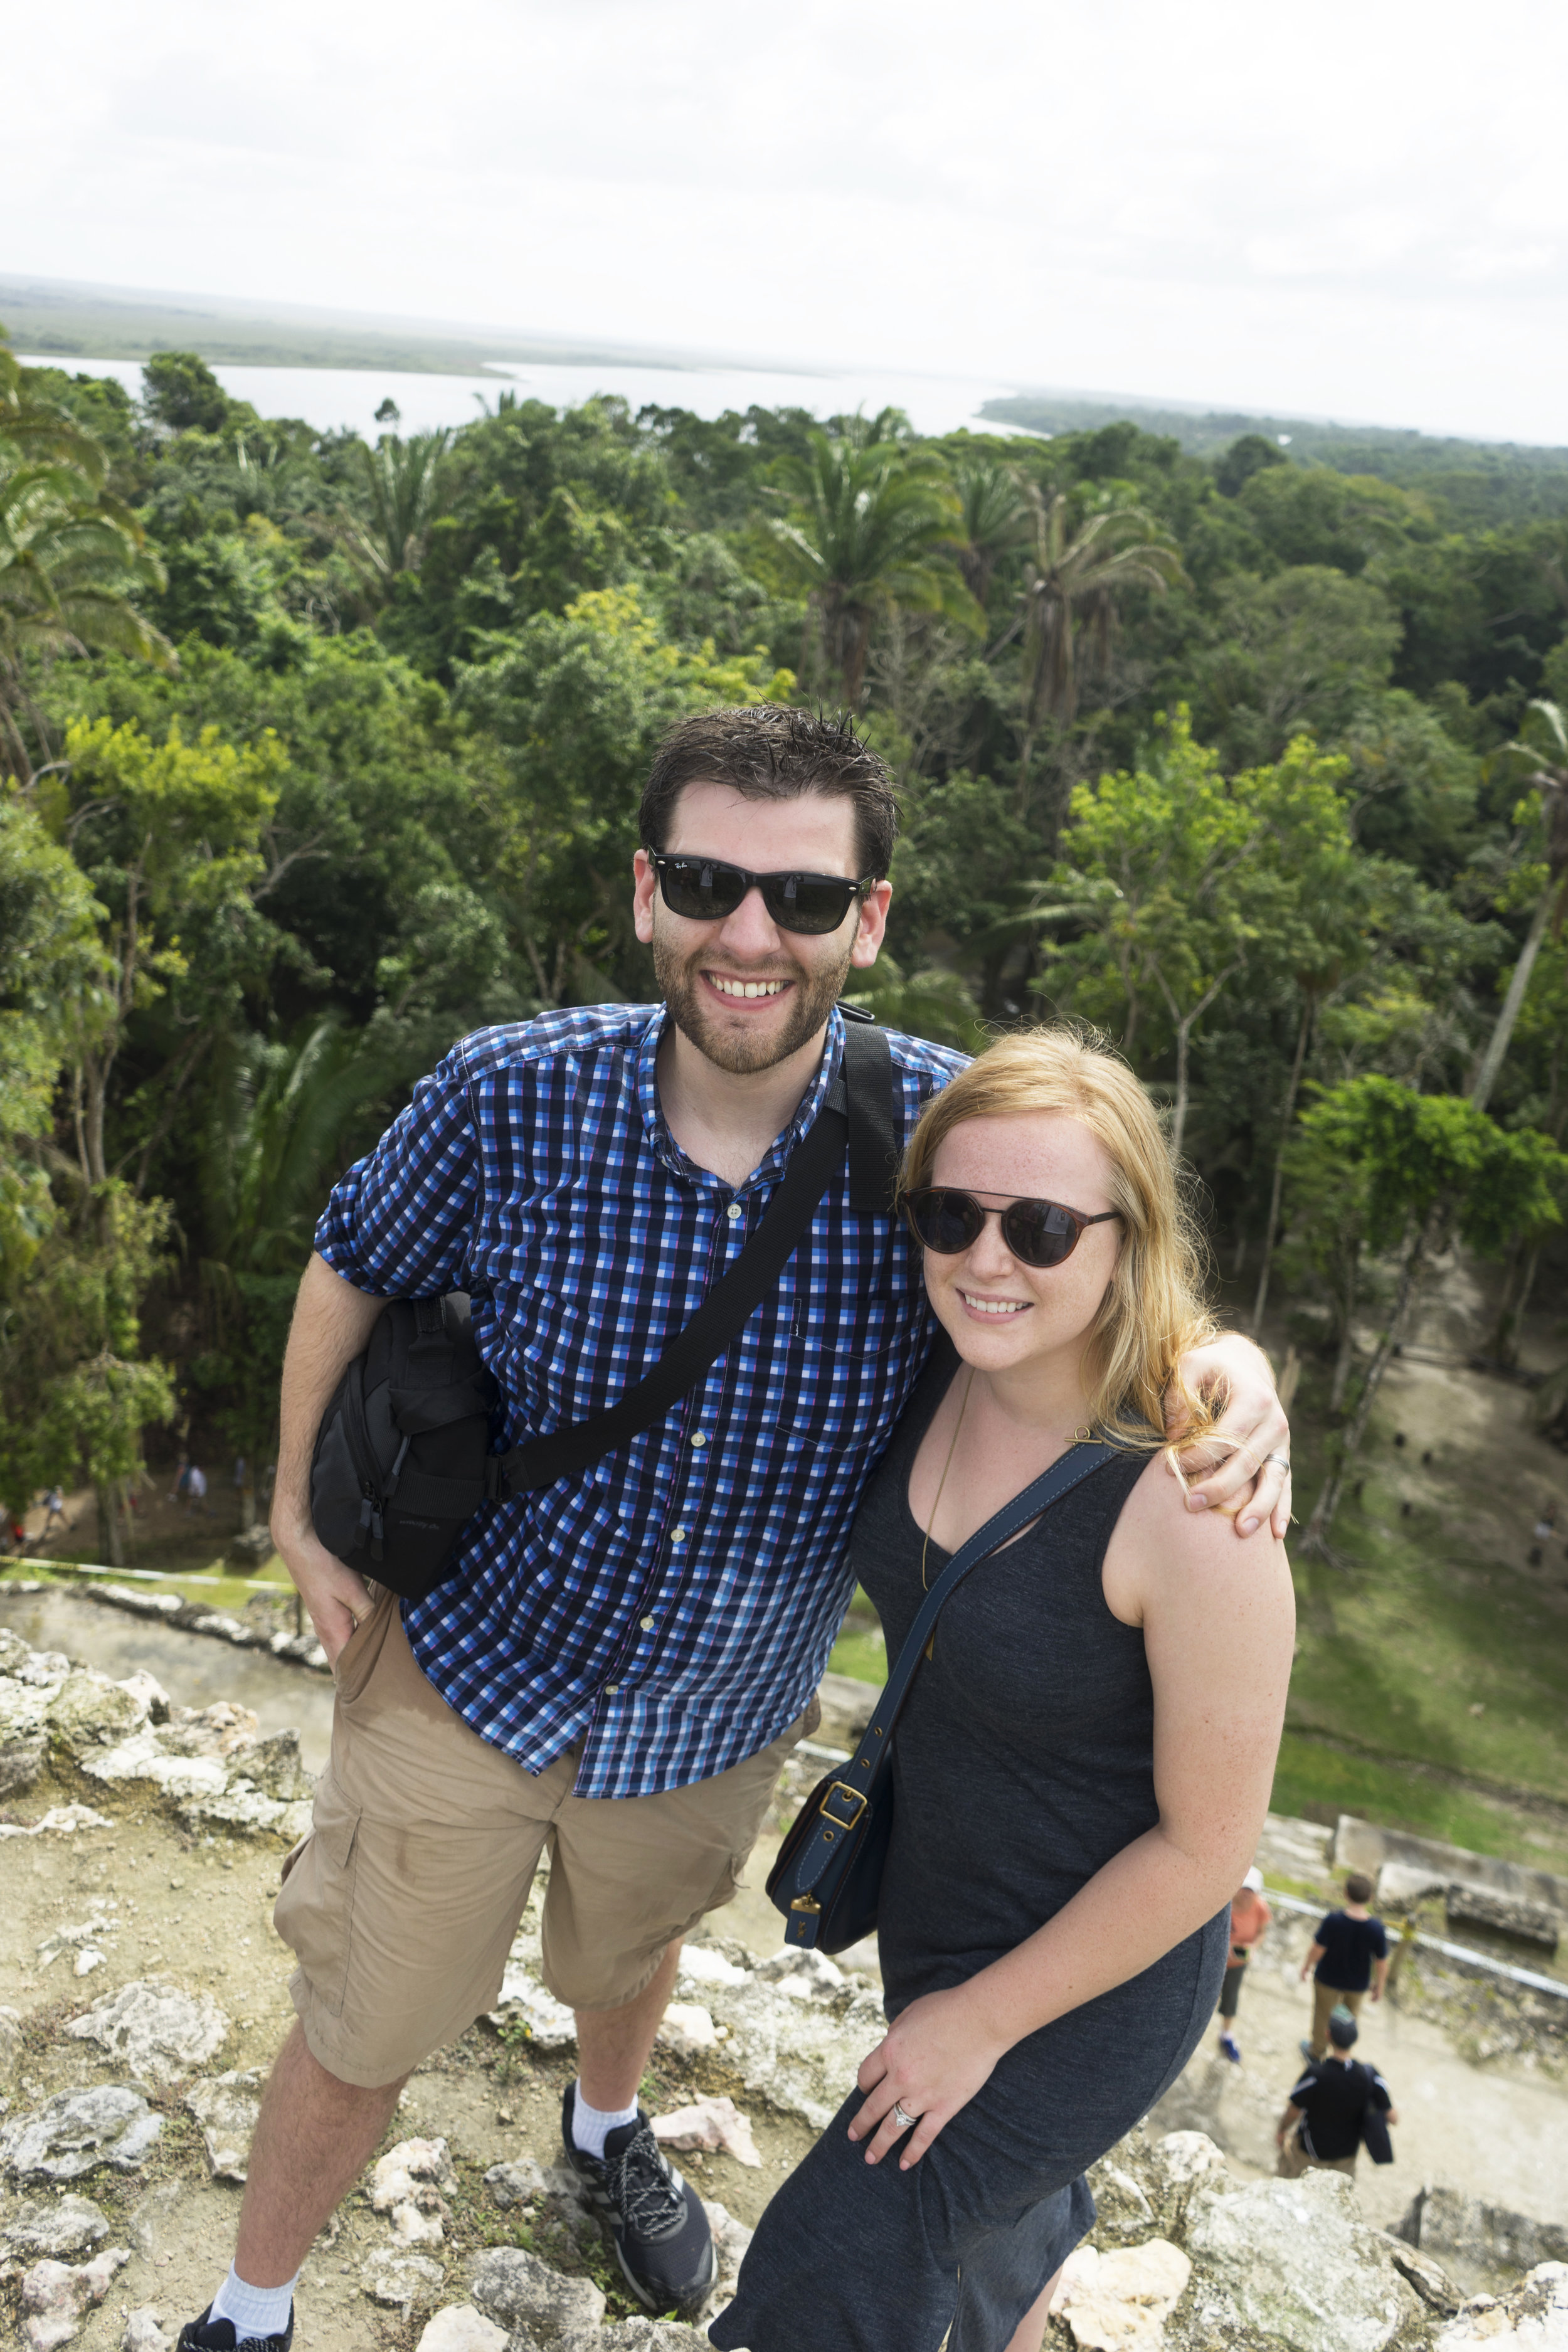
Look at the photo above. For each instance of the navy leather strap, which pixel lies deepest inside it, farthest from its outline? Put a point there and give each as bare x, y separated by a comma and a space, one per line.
844, 1801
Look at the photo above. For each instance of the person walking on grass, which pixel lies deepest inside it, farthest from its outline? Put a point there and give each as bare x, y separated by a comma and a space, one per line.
1326, 2118
618, 1664
1249, 1918
1350, 1953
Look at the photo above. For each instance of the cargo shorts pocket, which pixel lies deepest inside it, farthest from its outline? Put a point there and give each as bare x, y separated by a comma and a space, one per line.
314, 1911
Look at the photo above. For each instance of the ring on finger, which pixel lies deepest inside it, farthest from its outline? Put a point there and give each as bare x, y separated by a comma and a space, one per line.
1282, 1459
901, 2116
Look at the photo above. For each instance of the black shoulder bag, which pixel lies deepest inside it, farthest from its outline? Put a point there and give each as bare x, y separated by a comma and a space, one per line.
828, 1874
402, 1459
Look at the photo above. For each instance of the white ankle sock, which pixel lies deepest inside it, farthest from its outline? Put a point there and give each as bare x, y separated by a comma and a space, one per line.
252, 2310
590, 2124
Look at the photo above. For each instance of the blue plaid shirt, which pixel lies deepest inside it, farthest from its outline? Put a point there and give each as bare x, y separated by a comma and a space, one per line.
673, 1606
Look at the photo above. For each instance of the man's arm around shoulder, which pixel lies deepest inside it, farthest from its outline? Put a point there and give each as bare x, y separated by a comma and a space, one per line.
332, 1322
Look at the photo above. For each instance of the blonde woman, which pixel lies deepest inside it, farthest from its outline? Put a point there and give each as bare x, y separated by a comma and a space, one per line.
1084, 1761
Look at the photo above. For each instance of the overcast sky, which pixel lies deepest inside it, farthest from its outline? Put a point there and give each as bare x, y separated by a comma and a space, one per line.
1356, 208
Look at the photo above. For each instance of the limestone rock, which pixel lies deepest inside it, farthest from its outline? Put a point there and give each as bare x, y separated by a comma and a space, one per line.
700, 1965
160, 2032
688, 2029
275, 1766
216, 1730
803, 1975
238, 1806
1532, 2316
10, 2042
55, 2227
1293, 2259
1401, 1885
137, 1601
21, 1761
148, 1692
654, 2336
1492, 2237
521, 2292
144, 1757
1119, 2302
226, 2108
1123, 2209
144, 2331
709, 2122
14, 1651
89, 1711
79, 2132
408, 2183
730, 2240
56, 2299
461, 2329
524, 2001
60, 1820
400, 2279
515, 2184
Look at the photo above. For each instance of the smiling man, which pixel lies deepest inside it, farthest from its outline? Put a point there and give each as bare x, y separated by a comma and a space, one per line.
619, 1662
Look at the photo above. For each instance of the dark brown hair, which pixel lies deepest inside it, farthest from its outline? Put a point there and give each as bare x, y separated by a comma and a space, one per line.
1358, 1887
770, 751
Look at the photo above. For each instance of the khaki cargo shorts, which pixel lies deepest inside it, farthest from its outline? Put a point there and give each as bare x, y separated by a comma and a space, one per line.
402, 1903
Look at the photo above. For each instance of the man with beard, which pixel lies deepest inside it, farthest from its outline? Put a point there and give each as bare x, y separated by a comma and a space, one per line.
618, 1664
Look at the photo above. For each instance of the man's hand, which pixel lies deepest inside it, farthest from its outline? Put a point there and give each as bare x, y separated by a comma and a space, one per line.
1243, 1467
335, 1597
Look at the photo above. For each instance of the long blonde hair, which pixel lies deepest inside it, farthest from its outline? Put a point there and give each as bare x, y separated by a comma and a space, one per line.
1153, 1306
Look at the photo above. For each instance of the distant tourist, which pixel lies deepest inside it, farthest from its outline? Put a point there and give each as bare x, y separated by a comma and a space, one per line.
1350, 1952
195, 1490
1249, 1918
181, 1479
1338, 2103
54, 1512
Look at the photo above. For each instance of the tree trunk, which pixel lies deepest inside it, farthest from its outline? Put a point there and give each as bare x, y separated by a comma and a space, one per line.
1303, 1033
1179, 1116
1343, 1362
111, 1524
1497, 1042
1328, 1501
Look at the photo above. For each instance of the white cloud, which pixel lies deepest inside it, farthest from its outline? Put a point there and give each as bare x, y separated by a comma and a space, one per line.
1358, 209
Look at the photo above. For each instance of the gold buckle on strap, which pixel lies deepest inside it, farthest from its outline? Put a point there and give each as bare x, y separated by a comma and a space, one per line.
856, 1797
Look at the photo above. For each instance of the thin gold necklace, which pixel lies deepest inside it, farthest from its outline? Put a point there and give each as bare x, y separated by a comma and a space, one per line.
936, 1505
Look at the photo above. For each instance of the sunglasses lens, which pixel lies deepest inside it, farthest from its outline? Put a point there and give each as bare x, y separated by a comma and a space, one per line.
813, 903
948, 1223
1039, 1232
701, 891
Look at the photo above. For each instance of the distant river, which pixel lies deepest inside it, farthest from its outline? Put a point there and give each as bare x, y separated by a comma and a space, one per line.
329, 397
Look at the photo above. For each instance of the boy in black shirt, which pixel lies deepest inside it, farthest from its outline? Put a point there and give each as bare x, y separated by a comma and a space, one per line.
1350, 1951
1321, 2129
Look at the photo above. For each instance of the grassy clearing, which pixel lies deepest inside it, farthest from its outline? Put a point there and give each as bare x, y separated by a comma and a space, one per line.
230, 1592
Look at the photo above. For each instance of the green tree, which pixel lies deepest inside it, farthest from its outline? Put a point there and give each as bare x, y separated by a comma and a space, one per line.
1073, 582
1547, 881
403, 485
1428, 1163
71, 555
871, 518
180, 392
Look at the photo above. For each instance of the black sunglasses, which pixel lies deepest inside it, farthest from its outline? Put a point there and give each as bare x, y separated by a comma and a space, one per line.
1039, 1233
705, 891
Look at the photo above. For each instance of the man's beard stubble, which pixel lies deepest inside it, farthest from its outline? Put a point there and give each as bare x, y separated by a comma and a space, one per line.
814, 995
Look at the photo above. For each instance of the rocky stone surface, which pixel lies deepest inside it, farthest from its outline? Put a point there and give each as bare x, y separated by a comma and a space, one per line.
1119, 2302
407, 2185
226, 2108
109, 2127
144, 2331
400, 2279
515, 2183
1489, 2237
155, 2031
1293, 2259
524, 2295
461, 2329
55, 2296
1532, 1923
52, 2226
1532, 2316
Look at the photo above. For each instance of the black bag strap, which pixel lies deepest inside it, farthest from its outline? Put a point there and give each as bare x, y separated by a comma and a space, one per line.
856, 1118
844, 1801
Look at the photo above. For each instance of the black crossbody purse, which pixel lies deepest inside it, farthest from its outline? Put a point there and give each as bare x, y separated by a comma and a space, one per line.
828, 1876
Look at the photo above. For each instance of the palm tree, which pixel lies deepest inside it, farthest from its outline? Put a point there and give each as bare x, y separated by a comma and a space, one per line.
70, 554
1548, 774
872, 514
1071, 584
404, 483
994, 511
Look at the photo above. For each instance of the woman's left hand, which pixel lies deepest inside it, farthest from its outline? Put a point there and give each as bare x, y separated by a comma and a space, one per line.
931, 2062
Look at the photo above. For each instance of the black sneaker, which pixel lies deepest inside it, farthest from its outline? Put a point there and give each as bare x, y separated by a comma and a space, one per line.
663, 2242
205, 2334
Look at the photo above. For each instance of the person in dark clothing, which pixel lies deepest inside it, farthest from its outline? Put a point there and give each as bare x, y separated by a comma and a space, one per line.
1350, 1953
1321, 2129
1073, 1809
